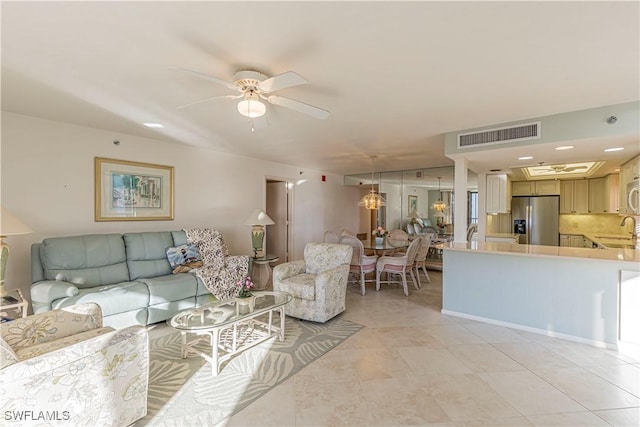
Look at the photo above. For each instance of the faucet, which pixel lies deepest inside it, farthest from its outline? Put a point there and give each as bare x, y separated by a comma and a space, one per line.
634, 233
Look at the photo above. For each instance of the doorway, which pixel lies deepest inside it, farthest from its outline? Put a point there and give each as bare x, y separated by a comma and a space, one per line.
279, 192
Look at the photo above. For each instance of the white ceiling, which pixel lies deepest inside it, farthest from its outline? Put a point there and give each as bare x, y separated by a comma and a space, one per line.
396, 76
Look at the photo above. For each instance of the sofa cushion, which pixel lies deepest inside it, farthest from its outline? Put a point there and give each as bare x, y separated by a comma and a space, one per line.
7, 356
319, 257
47, 347
301, 286
86, 261
146, 254
173, 287
184, 258
113, 299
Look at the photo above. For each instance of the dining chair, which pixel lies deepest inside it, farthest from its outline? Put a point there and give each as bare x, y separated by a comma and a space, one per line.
347, 232
361, 264
398, 238
399, 265
331, 236
421, 259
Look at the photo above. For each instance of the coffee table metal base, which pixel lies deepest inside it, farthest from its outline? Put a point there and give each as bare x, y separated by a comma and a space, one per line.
228, 340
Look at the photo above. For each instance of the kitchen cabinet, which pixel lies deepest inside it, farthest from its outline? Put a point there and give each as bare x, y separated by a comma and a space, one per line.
603, 194
574, 196
536, 188
572, 240
498, 194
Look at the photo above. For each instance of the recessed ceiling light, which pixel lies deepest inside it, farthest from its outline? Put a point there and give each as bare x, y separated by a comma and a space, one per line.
153, 125
616, 170
525, 158
565, 147
608, 150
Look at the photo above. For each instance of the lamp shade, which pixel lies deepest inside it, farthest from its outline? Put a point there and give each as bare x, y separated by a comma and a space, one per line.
258, 217
10, 224
251, 107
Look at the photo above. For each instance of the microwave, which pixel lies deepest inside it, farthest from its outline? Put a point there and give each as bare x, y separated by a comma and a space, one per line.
633, 197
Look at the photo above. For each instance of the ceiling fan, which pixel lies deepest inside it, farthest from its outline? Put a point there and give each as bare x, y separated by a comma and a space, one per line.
253, 87
564, 168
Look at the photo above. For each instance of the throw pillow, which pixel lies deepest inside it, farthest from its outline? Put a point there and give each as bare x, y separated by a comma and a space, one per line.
183, 258
7, 355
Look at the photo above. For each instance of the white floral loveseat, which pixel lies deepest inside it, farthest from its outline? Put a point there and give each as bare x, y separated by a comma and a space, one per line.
318, 284
62, 367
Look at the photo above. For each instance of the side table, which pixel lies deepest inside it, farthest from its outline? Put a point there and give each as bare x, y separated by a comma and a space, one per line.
261, 271
13, 305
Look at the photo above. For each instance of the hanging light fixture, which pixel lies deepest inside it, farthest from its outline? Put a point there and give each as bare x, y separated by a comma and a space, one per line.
372, 200
251, 106
439, 205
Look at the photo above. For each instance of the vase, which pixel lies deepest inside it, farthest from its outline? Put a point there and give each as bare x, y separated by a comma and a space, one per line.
245, 304
379, 241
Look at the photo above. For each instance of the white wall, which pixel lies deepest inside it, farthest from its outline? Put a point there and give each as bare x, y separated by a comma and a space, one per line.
47, 181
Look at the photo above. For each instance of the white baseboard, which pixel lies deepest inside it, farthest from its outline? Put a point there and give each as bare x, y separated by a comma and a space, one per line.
552, 334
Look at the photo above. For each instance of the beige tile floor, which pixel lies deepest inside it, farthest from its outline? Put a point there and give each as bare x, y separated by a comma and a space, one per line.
412, 366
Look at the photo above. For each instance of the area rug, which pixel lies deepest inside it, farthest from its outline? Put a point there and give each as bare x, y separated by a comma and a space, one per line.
182, 392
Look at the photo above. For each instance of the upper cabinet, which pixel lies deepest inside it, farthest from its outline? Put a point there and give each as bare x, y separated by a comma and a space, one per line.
498, 194
603, 194
536, 188
574, 196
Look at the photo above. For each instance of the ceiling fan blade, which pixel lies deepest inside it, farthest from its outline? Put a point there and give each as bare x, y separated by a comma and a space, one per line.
572, 168
281, 81
213, 98
224, 83
301, 107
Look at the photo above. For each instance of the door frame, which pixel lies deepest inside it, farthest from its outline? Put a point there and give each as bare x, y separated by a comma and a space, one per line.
290, 183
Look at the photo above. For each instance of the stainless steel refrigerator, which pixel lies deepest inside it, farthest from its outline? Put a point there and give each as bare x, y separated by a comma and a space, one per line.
536, 219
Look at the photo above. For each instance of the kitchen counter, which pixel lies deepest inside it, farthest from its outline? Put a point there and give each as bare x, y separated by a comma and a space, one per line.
616, 255
556, 291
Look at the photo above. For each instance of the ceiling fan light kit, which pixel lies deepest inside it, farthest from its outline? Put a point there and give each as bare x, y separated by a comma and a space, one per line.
251, 106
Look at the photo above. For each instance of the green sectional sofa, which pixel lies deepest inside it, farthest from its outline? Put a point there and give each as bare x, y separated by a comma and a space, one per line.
128, 275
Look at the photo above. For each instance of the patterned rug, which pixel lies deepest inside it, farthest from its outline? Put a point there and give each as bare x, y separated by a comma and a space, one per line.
182, 392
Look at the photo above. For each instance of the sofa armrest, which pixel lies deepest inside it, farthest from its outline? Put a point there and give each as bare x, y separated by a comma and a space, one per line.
330, 282
51, 325
287, 269
108, 374
47, 291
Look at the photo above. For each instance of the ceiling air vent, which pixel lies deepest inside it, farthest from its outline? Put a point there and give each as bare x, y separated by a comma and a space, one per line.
523, 132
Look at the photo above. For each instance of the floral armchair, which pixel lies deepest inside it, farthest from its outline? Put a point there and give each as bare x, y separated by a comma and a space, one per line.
62, 366
318, 284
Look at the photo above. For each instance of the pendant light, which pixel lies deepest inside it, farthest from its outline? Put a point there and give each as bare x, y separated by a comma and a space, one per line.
439, 205
372, 200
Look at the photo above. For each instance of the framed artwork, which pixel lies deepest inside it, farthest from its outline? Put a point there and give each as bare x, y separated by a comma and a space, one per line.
413, 203
132, 191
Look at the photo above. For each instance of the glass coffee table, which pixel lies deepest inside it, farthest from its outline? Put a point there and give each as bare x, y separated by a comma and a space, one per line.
231, 326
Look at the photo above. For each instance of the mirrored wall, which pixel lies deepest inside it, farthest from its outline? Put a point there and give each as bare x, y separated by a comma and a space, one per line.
412, 190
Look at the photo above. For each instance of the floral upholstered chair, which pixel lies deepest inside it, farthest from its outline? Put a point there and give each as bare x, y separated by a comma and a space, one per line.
318, 284
63, 362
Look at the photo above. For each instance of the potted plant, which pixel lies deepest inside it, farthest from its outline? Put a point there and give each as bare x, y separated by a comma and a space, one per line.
380, 235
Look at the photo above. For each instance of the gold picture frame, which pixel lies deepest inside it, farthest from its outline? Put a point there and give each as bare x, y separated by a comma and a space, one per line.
132, 191
412, 203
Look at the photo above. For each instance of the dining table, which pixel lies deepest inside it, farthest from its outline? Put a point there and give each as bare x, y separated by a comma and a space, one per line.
387, 247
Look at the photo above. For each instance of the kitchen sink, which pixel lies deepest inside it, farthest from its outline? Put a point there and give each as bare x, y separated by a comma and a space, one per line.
620, 245
613, 238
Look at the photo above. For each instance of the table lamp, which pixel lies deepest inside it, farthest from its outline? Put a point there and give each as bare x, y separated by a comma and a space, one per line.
258, 219
9, 225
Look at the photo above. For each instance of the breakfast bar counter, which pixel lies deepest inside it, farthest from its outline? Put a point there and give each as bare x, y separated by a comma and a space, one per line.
573, 293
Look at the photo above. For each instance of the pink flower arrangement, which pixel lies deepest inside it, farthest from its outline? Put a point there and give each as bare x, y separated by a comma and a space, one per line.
245, 286
380, 232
